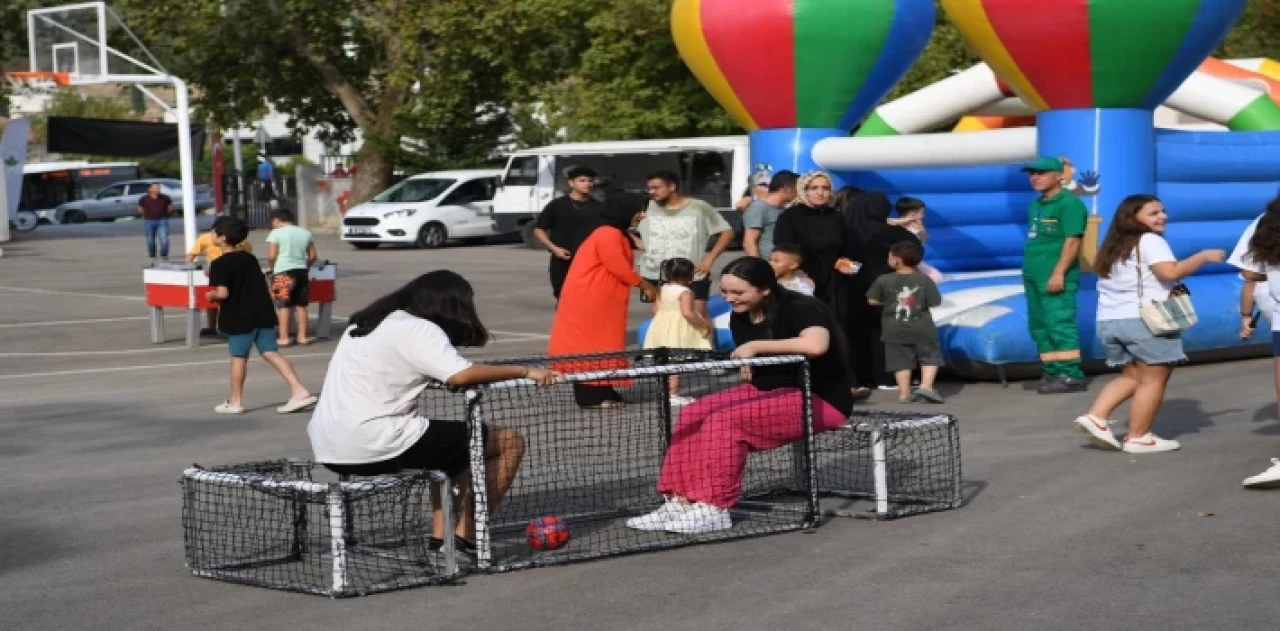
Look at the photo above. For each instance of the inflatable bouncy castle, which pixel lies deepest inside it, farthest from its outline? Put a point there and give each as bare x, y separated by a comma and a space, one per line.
1122, 90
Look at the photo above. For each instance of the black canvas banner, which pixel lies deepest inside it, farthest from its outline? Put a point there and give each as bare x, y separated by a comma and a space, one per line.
120, 139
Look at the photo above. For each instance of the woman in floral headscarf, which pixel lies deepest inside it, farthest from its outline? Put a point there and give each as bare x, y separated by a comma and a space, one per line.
830, 255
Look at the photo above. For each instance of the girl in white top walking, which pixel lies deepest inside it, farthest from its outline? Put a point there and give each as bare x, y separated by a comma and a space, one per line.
1135, 267
1258, 257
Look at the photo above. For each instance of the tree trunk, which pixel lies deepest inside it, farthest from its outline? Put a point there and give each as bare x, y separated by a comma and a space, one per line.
373, 174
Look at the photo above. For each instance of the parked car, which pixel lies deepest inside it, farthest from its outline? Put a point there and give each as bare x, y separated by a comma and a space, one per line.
120, 200
426, 210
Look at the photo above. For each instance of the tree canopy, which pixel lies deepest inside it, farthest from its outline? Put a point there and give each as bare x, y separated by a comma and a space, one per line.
461, 79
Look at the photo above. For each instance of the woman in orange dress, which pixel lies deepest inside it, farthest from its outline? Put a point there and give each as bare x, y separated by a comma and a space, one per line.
592, 315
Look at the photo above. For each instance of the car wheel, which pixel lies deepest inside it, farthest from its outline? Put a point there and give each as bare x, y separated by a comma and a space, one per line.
526, 235
432, 235
75, 216
25, 221
365, 246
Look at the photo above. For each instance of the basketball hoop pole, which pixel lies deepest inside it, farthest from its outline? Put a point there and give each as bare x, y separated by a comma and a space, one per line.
185, 158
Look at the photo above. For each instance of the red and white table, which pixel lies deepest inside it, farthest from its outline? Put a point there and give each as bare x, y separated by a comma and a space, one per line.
185, 286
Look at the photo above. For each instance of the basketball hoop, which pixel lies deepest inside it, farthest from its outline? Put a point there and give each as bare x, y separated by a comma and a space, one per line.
40, 82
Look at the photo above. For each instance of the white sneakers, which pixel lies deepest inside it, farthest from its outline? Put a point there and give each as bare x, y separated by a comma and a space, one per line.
685, 519
678, 401
1268, 479
1099, 433
1149, 444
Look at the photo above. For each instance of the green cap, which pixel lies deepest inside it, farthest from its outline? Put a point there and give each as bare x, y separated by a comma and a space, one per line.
1045, 165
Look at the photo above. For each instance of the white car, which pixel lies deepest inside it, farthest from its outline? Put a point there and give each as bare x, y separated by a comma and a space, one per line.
426, 210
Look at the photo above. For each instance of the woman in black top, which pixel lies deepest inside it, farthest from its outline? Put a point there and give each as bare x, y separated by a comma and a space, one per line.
702, 470
866, 214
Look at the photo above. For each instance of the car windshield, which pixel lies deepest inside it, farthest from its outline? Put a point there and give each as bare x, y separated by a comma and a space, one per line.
418, 190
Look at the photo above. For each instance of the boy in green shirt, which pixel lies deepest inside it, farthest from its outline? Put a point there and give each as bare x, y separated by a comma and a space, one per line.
1051, 276
290, 252
907, 328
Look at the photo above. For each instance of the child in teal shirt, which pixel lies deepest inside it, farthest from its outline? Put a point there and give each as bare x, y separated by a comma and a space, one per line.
290, 252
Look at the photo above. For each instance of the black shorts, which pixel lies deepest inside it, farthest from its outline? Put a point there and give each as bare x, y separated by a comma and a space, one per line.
291, 288
445, 446
701, 288
899, 357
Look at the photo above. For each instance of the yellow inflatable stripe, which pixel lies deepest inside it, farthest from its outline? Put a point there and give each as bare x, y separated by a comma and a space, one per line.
1270, 69
969, 123
971, 19
686, 29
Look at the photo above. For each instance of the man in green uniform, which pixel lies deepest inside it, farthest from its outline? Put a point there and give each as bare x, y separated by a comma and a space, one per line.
1051, 275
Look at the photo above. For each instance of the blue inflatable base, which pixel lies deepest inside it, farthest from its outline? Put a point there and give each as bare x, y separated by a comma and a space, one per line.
983, 323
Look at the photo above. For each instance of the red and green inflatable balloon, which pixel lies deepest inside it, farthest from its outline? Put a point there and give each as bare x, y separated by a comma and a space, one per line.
1077, 54
777, 64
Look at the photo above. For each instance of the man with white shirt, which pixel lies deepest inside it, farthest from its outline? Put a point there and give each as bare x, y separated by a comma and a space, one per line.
1264, 294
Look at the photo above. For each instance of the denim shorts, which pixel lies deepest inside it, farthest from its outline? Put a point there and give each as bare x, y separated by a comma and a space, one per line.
1275, 343
240, 344
1129, 339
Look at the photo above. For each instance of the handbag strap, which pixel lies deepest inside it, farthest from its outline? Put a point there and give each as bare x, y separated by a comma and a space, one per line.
1137, 250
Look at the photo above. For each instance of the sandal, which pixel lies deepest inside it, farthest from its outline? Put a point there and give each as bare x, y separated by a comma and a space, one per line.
284, 343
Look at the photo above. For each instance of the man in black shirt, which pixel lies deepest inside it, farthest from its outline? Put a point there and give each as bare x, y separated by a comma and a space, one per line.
566, 222
248, 318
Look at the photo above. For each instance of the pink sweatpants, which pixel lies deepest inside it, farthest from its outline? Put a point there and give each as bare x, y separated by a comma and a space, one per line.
715, 434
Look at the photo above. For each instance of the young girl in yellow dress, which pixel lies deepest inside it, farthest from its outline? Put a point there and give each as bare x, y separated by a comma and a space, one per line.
676, 324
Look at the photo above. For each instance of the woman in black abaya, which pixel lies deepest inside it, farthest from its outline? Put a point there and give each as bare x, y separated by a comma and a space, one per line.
866, 215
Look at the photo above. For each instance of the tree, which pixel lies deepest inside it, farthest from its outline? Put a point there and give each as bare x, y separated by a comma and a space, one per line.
631, 82
443, 72
1257, 32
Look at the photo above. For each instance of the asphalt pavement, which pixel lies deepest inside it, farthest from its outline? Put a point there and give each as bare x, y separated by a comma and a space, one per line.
97, 424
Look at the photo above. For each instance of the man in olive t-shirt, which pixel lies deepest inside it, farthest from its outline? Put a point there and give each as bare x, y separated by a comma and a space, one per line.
1051, 276
676, 226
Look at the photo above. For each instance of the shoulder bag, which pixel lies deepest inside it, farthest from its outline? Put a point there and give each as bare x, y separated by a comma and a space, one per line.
1167, 317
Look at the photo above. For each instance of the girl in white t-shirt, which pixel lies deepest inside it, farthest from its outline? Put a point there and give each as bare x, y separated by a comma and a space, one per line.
1136, 267
1258, 257
368, 423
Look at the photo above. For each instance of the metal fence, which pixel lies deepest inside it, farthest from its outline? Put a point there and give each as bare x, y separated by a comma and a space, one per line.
252, 201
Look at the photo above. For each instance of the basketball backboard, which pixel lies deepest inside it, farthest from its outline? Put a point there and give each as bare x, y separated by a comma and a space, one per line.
70, 38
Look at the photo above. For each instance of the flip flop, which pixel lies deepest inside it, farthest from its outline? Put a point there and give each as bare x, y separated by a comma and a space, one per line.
297, 405
284, 343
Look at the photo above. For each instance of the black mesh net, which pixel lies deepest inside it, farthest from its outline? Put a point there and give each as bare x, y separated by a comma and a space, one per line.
290, 525
914, 469
596, 464
599, 450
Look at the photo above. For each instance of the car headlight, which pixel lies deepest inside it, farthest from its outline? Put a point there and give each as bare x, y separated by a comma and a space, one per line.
404, 212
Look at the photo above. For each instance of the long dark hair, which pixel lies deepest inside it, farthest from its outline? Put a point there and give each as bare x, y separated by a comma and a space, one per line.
866, 213
442, 297
1264, 247
1123, 235
759, 274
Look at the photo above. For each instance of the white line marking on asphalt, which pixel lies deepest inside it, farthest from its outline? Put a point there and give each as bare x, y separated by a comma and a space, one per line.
55, 292
18, 325
91, 371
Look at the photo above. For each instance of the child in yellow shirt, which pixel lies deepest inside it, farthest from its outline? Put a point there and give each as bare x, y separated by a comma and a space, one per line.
205, 245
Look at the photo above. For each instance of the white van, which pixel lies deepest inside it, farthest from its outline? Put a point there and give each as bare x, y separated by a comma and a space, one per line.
426, 210
714, 169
